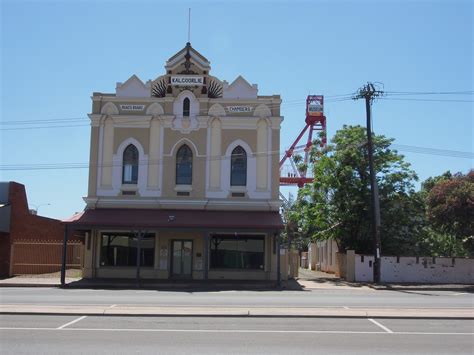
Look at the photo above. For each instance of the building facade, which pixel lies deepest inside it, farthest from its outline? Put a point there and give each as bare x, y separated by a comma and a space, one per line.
29, 244
184, 177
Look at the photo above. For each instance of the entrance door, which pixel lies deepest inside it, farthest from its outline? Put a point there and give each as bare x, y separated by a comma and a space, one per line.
181, 262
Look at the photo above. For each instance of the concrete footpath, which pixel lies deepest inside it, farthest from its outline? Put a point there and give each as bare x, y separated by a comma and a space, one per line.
189, 311
321, 281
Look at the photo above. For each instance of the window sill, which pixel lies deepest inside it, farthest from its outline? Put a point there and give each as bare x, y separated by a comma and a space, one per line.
238, 189
129, 187
185, 188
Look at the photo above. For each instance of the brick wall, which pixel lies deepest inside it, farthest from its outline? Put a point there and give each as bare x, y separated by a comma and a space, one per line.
25, 226
41, 257
4, 254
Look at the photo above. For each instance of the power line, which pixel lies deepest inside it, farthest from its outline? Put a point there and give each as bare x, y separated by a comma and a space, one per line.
72, 165
74, 121
429, 92
42, 127
40, 124
431, 100
434, 151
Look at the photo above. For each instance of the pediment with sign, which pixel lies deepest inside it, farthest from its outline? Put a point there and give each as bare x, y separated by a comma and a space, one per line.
187, 70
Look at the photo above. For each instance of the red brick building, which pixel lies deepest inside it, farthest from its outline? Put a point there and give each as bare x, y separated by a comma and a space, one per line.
29, 233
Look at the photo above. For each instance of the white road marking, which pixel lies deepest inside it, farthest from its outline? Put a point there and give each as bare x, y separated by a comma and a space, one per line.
460, 293
72, 322
226, 306
345, 307
233, 331
380, 325
112, 306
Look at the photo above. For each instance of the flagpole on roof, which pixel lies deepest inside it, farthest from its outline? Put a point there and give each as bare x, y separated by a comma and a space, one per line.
189, 25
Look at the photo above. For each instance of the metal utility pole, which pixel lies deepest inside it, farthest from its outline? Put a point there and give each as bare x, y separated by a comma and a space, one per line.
139, 234
368, 92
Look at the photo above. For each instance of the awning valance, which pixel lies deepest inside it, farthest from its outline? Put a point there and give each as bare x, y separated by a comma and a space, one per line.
171, 219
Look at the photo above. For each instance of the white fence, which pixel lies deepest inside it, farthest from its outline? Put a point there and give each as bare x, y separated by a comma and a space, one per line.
412, 269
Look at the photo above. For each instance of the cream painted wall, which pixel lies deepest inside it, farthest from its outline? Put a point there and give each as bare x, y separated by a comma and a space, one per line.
156, 130
248, 136
215, 154
275, 164
93, 161
262, 155
154, 155
107, 152
196, 141
140, 134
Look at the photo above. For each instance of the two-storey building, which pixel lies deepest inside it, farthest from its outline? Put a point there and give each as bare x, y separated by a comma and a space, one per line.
184, 177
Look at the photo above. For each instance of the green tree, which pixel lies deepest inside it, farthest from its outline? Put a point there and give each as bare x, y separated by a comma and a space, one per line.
337, 204
291, 220
450, 207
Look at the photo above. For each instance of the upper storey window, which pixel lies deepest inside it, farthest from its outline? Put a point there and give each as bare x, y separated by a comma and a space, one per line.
184, 166
238, 167
186, 107
130, 165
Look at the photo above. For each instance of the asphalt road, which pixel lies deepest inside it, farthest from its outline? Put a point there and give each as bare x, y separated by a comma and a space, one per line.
26, 334
316, 298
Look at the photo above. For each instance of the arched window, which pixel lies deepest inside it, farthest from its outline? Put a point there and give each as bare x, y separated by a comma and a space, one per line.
130, 165
238, 167
186, 104
184, 166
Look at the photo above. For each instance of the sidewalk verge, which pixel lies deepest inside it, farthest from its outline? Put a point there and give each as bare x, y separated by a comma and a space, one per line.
280, 312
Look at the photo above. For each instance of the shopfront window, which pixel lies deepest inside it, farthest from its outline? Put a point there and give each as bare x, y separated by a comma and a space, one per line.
120, 249
237, 252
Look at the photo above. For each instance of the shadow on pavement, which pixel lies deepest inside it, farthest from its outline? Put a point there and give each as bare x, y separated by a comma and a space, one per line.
184, 285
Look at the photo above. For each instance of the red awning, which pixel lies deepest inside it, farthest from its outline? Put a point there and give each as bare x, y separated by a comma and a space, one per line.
193, 219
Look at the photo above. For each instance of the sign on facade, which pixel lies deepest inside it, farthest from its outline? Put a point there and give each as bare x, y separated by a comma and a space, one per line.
187, 80
132, 107
239, 109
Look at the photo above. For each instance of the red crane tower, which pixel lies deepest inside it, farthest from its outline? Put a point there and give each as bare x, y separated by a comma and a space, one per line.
315, 121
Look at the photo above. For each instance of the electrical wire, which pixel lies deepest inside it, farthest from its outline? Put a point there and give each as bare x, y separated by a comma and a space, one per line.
72, 165
53, 123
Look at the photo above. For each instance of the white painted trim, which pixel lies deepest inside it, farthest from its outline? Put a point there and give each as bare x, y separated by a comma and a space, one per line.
251, 174
194, 56
179, 122
262, 111
132, 87
117, 165
254, 205
185, 188
109, 109
155, 109
208, 204
131, 121
95, 119
178, 145
216, 110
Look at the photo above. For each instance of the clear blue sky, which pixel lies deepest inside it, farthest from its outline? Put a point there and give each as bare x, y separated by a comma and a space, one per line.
55, 54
